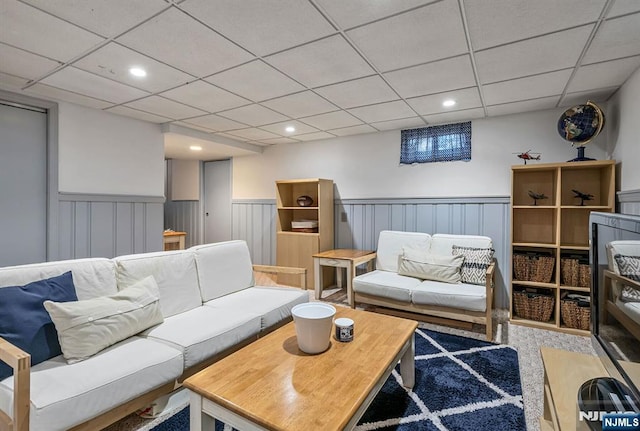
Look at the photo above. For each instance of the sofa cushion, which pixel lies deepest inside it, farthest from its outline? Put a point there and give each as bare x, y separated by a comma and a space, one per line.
623, 247
175, 273
443, 243
385, 284
91, 277
272, 304
390, 245
461, 296
25, 323
223, 267
89, 326
427, 266
64, 395
476, 263
628, 266
203, 332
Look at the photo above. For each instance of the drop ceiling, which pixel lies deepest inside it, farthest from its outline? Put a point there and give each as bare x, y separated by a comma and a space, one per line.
234, 74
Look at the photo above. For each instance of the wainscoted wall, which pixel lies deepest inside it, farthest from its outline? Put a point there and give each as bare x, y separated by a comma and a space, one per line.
108, 225
629, 202
359, 221
184, 216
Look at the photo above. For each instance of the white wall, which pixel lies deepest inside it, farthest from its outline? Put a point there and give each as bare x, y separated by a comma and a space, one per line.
623, 132
104, 153
367, 166
185, 180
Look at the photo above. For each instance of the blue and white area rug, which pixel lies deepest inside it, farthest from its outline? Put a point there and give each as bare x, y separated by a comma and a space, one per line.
462, 384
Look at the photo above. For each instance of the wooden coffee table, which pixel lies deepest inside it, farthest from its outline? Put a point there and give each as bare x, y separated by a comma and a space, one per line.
272, 385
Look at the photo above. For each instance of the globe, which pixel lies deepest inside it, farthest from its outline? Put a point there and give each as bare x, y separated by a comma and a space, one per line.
580, 124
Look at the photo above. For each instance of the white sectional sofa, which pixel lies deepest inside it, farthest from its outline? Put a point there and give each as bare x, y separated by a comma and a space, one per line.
426, 293
209, 307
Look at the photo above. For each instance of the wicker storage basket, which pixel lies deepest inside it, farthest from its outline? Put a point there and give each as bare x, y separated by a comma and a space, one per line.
573, 315
584, 275
533, 306
542, 268
521, 267
569, 271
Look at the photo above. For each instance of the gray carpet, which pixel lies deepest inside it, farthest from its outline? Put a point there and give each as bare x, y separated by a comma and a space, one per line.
526, 340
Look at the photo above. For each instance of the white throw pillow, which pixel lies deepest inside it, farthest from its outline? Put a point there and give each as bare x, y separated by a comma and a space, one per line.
427, 266
89, 326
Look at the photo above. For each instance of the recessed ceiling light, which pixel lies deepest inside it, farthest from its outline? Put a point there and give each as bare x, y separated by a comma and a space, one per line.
449, 102
195, 148
137, 71
290, 129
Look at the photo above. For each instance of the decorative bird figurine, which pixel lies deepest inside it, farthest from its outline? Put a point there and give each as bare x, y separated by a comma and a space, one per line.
582, 196
537, 196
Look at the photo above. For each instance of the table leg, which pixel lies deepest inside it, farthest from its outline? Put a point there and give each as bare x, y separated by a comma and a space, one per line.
350, 274
317, 277
339, 276
195, 412
408, 364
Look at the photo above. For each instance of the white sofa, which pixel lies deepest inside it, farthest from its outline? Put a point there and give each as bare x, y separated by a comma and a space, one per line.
210, 307
459, 301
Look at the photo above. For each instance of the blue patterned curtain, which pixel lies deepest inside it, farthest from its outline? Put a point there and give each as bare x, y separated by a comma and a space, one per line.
444, 143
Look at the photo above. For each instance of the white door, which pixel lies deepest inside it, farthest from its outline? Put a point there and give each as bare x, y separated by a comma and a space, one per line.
217, 201
23, 185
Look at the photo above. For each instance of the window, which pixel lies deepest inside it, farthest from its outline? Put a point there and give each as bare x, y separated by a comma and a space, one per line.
444, 143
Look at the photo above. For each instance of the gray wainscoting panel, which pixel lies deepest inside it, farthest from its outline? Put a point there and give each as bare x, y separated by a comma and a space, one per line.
184, 216
358, 223
108, 226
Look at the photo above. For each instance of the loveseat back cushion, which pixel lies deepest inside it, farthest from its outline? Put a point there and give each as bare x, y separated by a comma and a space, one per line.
92, 277
443, 243
623, 247
390, 245
223, 268
173, 271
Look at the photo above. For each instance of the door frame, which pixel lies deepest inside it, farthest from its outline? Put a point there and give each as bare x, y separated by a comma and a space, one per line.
203, 199
51, 251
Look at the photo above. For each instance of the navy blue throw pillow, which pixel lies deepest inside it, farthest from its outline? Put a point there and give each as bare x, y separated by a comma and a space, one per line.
25, 323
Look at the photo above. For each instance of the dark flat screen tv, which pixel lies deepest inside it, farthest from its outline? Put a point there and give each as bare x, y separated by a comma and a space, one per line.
615, 296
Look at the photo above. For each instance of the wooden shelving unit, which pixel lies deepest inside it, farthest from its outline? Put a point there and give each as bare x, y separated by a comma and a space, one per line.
295, 249
557, 226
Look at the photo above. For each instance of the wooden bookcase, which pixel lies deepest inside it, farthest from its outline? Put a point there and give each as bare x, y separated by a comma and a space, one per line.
296, 248
558, 225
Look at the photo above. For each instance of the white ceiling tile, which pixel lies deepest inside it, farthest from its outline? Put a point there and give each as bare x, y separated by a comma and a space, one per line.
113, 61
457, 116
434, 77
11, 82
581, 97
301, 104
498, 22
253, 134
383, 111
621, 7
28, 28
276, 141
332, 120
523, 106
196, 48
205, 96
108, 18
140, 115
538, 55
24, 63
601, 75
165, 107
359, 92
193, 126
256, 81
236, 138
403, 123
79, 81
432, 104
616, 38
215, 122
315, 136
323, 62
263, 27
353, 130
426, 34
254, 115
532, 87
351, 13
48, 92
279, 128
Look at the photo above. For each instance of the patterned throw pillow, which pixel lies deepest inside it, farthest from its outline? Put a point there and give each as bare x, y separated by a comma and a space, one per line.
629, 266
476, 262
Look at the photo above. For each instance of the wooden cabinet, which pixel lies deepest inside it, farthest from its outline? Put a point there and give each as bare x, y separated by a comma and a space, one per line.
296, 248
557, 226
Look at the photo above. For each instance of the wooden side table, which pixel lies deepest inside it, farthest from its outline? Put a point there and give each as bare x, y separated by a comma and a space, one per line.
341, 258
174, 240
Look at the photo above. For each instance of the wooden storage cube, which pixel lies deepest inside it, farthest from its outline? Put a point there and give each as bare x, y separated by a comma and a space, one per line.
534, 225
595, 180
575, 310
534, 304
288, 192
538, 181
574, 227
